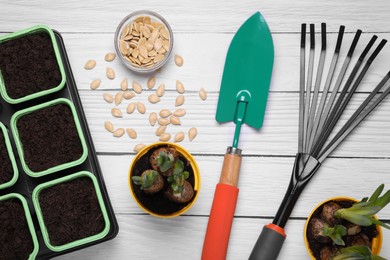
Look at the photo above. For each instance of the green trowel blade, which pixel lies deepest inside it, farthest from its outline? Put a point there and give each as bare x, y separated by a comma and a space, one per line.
247, 73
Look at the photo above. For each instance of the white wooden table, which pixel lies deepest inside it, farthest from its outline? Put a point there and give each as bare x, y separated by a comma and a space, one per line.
202, 31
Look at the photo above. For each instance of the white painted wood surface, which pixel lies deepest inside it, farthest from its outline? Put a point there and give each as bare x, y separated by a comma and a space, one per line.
203, 31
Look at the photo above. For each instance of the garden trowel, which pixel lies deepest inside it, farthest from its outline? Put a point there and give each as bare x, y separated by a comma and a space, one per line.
242, 99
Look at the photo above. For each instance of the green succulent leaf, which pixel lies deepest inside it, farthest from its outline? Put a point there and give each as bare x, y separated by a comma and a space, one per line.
148, 179
186, 174
174, 186
137, 180
166, 166
179, 166
357, 253
161, 158
335, 233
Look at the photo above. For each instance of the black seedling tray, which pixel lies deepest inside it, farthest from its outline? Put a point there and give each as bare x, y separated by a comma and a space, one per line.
26, 184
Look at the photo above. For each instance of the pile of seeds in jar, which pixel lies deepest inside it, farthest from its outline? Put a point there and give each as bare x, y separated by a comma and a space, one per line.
144, 42
160, 120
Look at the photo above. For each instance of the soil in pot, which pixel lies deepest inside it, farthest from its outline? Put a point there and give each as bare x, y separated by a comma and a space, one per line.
49, 137
15, 238
29, 65
71, 211
158, 202
6, 170
316, 247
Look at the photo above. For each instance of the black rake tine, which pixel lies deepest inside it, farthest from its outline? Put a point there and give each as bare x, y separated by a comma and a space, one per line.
317, 84
348, 97
329, 104
327, 84
301, 87
308, 86
357, 117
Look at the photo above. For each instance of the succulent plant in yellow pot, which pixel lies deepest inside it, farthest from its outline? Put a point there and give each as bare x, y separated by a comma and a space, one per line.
343, 228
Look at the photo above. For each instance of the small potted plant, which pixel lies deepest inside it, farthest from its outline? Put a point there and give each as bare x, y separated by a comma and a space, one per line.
342, 227
164, 179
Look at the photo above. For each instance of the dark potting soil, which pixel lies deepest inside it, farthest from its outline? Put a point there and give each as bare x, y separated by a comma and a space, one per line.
6, 171
15, 238
29, 65
158, 202
316, 247
71, 211
49, 137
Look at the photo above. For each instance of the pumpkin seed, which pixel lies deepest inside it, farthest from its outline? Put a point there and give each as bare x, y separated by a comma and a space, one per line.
153, 118
174, 120
124, 84
161, 129
90, 65
179, 137
179, 101
110, 73
153, 98
202, 94
118, 98
138, 147
179, 112
131, 107
116, 112
123, 46
165, 137
110, 57
158, 58
164, 33
163, 121
119, 132
151, 82
131, 133
109, 126
179, 87
108, 98
128, 94
137, 87
165, 113
179, 60
95, 84
160, 90
192, 133
141, 107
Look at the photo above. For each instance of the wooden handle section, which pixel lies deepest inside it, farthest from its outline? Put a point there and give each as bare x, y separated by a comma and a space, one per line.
231, 169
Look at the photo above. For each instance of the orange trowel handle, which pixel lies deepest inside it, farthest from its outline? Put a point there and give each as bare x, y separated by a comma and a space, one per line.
222, 211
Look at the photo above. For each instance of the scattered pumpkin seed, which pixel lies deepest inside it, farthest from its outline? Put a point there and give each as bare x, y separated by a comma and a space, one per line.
160, 90
137, 87
141, 107
124, 84
153, 118
138, 147
175, 120
108, 98
118, 98
119, 132
165, 113
192, 133
109, 126
153, 98
131, 107
90, 65
165, 137
202, 94
179, 87
179, 101
110, 56
95, 84
110, 73
128, 94
131, 133
179, 112
179, 137
116, 112
161, 129
179, 60
163, 121
151, 82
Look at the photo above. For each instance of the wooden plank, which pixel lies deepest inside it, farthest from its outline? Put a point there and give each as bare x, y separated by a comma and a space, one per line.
145, 237
200, 16
263, 183
278, 135
204, 57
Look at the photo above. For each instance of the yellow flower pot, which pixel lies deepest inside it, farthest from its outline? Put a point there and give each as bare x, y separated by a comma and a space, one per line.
376, 241
183, 153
